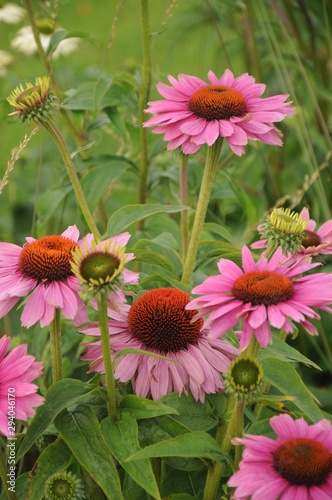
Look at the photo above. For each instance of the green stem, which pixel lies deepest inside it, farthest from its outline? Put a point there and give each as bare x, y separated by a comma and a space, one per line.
209, 176
143, 99
50, 72
53, 129
4, 478
108, 363
56, 346
184, 202
224, 431
239, 411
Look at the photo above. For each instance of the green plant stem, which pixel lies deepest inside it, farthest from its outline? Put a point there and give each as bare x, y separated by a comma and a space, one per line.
49, 70
143, 99
108, 364
53, 129
239, 412
184, 202
209, 176
4, 478
224, 431
56, 346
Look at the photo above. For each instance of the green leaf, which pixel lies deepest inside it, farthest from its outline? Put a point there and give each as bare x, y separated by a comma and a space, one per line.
194, 444
154, 259
132, 350
49, 202
21, 488
220, 231
55, 458
97, 181
129, 214
145, 408
248, 207
285, 378
60, 395
60, 35
190, 413
285, 352
122, 439
81, 432
101, 87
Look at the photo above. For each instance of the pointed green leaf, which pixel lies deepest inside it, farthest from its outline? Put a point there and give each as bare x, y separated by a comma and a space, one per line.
154, 259
190, 413
81, 432
55, 458
60, 395
122, 439
145, 408
285, 352
129, 214
194, 444
285, 378
96, 182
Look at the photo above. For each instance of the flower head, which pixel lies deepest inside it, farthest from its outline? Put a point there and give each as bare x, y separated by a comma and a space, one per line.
17, 371
11, 13
244, 378
64, 486
34, 102
99, 266
301, 227
298, 464
319, 241
42, 267
195, 112
158, 323
24, 40
282, 228
264, 293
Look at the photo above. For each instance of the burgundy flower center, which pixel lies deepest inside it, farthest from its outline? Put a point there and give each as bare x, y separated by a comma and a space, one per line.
47, 259
158, 318
310, 239
263, 287
216, 102
303, 462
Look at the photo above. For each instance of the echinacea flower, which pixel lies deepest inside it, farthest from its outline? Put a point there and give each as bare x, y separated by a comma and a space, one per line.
195, 112
262, 294
64, 486
311, 242
18, 396
297, 465
42, 267
34, 102
100, 266
317, 242
158, 322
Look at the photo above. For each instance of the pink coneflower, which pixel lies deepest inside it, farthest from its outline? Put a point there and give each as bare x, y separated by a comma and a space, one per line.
196, 113
42, 267
298, 465
17, 393
316, 242
262, 294
289, 226
158, 322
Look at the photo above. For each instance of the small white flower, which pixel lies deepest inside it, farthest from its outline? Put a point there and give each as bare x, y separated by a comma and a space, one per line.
11, 13
5, 60
24, 42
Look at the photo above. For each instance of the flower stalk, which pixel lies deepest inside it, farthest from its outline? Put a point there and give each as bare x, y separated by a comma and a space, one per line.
56, 346
184, 160
53, 129
106, 347
143, 99
209, 176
